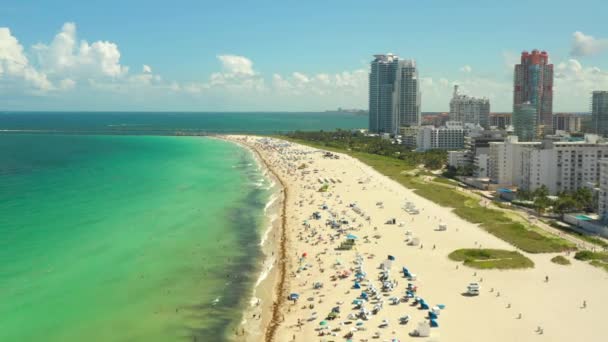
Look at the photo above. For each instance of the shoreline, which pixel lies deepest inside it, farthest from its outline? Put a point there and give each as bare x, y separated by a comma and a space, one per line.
271, 288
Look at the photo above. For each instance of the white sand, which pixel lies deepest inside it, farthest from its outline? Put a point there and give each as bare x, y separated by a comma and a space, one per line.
555, 306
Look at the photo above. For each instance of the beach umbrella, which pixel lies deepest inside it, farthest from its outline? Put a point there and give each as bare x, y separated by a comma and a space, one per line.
294, 296
351, 237
323, 323
390, 257
304, 255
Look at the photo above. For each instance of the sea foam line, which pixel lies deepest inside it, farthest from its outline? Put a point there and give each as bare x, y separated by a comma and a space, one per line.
268, 266
271, 220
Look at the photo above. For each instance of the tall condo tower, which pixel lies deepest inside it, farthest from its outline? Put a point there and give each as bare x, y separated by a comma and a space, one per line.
381, 86
406, 97
394, 94
599, 112
533, 84
467, 109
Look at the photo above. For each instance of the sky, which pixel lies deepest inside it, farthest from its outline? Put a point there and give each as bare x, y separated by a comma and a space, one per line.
134, 55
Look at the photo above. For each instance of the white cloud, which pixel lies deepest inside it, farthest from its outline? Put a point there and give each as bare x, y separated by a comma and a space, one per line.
146, 69
574, 84
15, 64
67, 84
343, 84
237, 73
466, 68
585, 45
237, 65
300, 78
64, 56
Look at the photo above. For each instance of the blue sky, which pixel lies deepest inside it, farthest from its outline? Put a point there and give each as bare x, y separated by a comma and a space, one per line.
285, 55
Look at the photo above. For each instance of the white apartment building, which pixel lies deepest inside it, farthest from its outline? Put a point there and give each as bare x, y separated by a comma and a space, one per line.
482, 165
602, 205
505, 160
424, 138
559, 165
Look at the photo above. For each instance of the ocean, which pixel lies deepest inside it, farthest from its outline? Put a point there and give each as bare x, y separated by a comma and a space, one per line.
135, 236
169, 122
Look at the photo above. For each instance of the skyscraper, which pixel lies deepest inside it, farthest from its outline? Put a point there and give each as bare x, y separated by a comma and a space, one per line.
467, 109
381, 85
599, 112
533, 84
394, 94
524, 121
406, 97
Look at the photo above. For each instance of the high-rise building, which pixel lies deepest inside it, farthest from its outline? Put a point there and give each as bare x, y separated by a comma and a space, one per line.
533, 84
467, 109
524, 121
394, 94
599, 112
406, 97
381, 85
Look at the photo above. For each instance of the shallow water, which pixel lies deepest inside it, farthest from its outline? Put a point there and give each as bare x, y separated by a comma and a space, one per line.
126, 238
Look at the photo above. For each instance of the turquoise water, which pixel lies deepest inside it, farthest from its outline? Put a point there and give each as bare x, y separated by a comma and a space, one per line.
126, 238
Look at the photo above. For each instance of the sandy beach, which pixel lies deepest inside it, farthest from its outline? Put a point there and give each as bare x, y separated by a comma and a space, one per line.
514, 305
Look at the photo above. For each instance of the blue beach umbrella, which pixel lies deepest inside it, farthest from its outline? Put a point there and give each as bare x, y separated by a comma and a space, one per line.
390, 257
351, 237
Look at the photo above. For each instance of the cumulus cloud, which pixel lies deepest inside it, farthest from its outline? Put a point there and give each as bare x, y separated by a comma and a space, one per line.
15, 65
339, 84
466, 68
66, 56
237, 72
574, 83
585, 45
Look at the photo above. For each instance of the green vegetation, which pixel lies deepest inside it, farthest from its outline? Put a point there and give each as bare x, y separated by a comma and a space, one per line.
522, 235
452, 172
589, 255
491, 259
561, 260
356, 142
579, 200
600, 264
597, 259
444, 180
